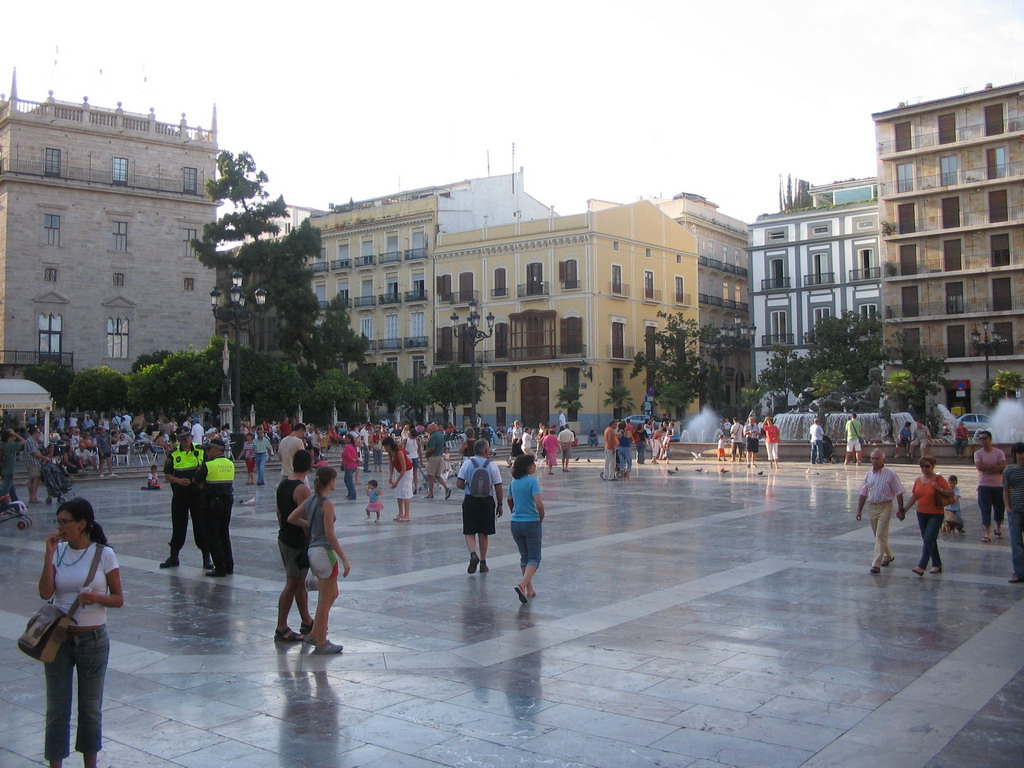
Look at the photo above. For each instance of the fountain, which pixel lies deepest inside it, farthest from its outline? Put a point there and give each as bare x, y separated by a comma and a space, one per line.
1007, 421
701, 428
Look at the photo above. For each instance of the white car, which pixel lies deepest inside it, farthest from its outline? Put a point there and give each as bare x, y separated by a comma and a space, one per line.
974, 422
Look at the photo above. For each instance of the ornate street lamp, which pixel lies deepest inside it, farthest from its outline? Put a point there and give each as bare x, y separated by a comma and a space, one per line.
473, 334
986, 345
235, 313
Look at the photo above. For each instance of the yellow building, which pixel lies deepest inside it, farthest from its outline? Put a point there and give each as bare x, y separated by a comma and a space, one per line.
573, 297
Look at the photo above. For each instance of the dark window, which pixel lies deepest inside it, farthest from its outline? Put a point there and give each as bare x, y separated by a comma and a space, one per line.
188, 284
501, 416
50, 274
950, 212
500, 286
910, 305
444, 287
534, 278
952, 255
947, 128
954, 298
1004, 329
648, 285
190, 181
118, 280
119, 170
465, 286
903, 138
997, 210
51, 162
994, 120
501, 341
618, 340
117, 337
1000, 247
120, 235
906, 215
572, 336
912, 339
995, 162
567, 274
51, 228
500, 386
956, 341
50, 332
908, 259
1001, 294
190, 235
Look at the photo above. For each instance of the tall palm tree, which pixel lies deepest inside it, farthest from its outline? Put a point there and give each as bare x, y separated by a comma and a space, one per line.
620, 399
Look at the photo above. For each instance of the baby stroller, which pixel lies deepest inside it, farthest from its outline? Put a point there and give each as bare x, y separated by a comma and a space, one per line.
57, 481
619, 474
828, 450
14, 510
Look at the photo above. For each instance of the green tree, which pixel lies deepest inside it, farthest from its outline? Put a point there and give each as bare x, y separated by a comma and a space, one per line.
98, 389
569, 399
620, 399
1007, 382
334, 342
243, 239
849, 343
677, 371
452, 386
54, 378
186, 381
749, 396
826, 381
149, 358
785, 372
900, 384
415, 396
337, 389
927, 372
382, 385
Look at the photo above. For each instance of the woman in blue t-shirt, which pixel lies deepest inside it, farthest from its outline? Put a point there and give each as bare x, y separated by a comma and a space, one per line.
527, 509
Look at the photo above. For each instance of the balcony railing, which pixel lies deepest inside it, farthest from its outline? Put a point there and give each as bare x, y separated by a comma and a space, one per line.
706, 261
535, 289
460, 297
20, 358
103, 176
393, 297
618, 289
364, 261
539, 352
620, 352
820, 278
963, 133
966, 219
341, 264
718, 301
318, 266
388, 344
419, 295
390, 257
415, 342
775, 284
371, 345
952, 178
323, 303
652, 295
683, 299
364, 301
499, 293
570, 285
771, 339
412, 254
871, 273
955, 305
344, 301
935, 264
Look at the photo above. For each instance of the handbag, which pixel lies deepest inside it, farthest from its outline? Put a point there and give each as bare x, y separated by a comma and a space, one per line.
47, 629
942, 500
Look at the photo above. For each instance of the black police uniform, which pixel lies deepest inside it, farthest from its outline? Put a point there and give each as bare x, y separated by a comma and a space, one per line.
186, 502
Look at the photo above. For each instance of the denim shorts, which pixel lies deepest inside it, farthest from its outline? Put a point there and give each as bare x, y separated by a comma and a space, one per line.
528, 539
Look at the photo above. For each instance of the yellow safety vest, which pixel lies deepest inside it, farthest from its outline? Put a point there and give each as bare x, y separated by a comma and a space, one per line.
186, 463
220, 474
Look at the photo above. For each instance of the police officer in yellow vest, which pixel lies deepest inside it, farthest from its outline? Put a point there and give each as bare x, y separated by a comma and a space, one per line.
186, 501
216, 476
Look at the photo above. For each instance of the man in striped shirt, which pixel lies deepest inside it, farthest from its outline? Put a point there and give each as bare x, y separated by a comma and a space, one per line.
880, 487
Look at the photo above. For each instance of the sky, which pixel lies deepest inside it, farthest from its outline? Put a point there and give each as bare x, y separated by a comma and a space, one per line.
609, 100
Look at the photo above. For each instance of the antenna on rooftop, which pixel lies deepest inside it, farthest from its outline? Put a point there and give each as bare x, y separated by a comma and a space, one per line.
513, 167
488, 162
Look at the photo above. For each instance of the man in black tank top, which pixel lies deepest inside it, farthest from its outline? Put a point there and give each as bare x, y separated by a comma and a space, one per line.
291, 541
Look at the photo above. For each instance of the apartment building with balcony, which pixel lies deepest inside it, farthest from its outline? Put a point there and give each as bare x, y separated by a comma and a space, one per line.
723, 291
98, 208
952, 210
810, 264
378, 255
574, 298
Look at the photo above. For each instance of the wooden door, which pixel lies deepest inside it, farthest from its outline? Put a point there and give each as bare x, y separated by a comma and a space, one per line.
534, 400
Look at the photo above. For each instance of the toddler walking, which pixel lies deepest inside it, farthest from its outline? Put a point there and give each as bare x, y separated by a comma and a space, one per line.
375, 504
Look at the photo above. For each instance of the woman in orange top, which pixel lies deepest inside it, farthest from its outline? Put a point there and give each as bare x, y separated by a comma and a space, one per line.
929, 514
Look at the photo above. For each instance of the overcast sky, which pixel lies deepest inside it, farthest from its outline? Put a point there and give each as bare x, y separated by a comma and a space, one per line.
609, 100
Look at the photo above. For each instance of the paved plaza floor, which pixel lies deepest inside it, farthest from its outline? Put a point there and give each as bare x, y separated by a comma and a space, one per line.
682, 619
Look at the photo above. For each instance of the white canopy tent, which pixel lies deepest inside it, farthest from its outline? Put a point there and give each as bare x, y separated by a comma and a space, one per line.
24, 395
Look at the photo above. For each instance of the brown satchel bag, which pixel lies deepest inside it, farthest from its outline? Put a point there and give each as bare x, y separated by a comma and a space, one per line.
48, 628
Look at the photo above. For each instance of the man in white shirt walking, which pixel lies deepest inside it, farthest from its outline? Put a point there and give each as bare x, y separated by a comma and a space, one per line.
880, 487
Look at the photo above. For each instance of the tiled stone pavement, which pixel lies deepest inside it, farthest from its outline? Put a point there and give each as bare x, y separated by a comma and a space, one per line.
686, 619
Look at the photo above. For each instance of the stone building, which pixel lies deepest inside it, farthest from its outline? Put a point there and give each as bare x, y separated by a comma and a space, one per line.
97, 210
810, 264
952, 209
573, 298
378, 255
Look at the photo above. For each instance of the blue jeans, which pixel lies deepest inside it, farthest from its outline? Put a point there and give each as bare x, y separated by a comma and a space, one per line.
87, 653
7, 487
991, 499
261, 462
640, 448
366, 459
930, 526
350, 485
378, 457
818, 452
1016, 520
625, 459
528, 539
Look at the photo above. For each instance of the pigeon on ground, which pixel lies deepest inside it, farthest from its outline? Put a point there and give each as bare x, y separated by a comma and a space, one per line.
249, 502
761, 473
699, 470
671, 471
696, 455
723, 471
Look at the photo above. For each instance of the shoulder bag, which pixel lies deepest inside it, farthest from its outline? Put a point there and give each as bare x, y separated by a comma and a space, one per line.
48, 628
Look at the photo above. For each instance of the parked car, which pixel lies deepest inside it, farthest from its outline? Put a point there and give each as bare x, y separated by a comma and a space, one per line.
974, 422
